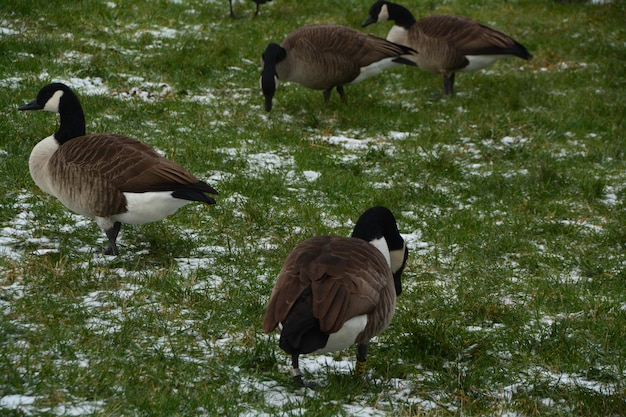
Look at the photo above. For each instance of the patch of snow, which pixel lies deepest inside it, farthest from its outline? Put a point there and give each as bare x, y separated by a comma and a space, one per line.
11, 82
7, 31
311, 176
345, 142
268, 162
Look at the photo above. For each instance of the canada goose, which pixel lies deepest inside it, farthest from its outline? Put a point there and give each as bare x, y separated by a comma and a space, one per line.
113, 178
258, 4
446, 44
335, 291
325, 56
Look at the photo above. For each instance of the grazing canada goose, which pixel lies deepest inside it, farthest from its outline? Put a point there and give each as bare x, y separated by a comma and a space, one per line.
258, 4
335, 291
322, 57
113, 178
446, 44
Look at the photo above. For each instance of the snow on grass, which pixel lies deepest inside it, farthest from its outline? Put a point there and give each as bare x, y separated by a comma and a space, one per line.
20, 230
27, 404
345, 142
108, 308
260, 163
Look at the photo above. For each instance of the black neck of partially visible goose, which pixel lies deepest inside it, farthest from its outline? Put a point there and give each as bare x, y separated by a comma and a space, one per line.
72, 123
272, 55
378, 222
400, 15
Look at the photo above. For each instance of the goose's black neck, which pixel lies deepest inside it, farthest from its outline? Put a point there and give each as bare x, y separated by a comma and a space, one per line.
400, 15
72, 123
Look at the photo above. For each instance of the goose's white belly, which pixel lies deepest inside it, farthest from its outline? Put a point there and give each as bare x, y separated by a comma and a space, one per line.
374, 69
149, 207
478, 62
346, 336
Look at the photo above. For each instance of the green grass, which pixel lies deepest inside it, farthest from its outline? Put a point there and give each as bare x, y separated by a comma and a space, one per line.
511, 195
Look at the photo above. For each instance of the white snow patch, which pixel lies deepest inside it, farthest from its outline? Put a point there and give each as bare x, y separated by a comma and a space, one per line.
311, 176
11, 82
345, 142
7, 31
563, 378
268, 162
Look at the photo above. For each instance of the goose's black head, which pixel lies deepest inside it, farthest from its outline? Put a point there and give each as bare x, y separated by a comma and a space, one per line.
385, 10
273, 54
59, 98
379, 223
375, 13
49, 98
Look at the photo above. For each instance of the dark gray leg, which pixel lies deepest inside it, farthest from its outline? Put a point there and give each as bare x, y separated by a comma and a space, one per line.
327, 94
230, 2
297, 374
448, 85
341, 92
112, 235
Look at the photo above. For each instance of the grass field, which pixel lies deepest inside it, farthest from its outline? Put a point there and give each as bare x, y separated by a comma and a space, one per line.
511, 196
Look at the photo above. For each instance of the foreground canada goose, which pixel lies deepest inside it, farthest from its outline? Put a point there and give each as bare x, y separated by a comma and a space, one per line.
322, 57
258, 4
113, 178
333, 292
446, 44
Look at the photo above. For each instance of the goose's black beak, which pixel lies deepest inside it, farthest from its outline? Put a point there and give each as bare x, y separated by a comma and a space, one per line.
368, 21
268, 103
33, 105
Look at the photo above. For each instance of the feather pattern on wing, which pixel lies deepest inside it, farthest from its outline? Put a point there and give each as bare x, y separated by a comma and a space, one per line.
101, 167
323, 56
348, 277
468, 36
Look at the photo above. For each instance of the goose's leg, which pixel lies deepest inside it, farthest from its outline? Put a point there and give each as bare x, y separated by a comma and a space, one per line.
297, 374
361, 357
257, 9
327, 94
112, 235
230, 2
342, 94
448, 84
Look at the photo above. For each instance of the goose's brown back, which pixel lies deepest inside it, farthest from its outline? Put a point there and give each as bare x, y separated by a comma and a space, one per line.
92, 172
348, 277
324, 56
442, 41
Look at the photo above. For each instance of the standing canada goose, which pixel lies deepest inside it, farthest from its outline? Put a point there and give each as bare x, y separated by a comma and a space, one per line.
333, 292
258, 4
113, 178
322, 57
446, 44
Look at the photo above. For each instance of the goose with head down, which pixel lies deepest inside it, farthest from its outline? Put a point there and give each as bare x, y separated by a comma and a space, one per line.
323, 57
333, 292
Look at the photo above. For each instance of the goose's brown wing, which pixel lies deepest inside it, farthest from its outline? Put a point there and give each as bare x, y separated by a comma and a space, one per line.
466, 35
101, 167
334, 55
375, 49
346, 277
127, 163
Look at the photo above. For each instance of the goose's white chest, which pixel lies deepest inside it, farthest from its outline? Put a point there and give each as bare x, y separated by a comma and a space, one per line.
398, 34
38, 163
